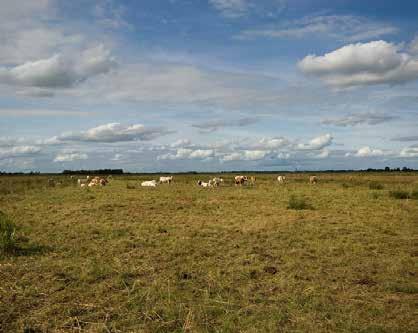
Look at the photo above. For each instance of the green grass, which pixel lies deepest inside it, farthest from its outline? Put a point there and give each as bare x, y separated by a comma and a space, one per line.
298, 203
7, 235
374, 185
398, 194
179, 258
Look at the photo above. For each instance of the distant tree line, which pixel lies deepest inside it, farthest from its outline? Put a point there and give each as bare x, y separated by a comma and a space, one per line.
94, 172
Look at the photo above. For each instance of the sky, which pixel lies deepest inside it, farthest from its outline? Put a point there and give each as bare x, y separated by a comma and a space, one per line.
208, 85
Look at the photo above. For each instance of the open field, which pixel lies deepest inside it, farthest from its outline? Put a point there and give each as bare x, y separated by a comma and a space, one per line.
179, 258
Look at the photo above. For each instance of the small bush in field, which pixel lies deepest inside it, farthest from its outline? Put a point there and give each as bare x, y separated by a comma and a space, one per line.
7, 235
414, 194
130, 186
298, 203
400, 194
376, 186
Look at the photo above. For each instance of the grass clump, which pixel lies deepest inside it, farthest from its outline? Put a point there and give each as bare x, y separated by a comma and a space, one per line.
400, 194
376, 186
414, 194
298, 203
130, 186
7, 235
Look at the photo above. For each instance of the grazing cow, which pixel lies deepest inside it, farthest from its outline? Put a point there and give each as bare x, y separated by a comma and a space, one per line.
167, 180
103, 181
252, 180
217, 181
313, 179
203, 184
240, 180
281, 179
149, 183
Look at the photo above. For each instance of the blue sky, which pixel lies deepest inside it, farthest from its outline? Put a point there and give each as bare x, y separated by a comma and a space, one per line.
208, 85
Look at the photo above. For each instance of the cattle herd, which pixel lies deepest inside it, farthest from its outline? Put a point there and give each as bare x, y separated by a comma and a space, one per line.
214, 182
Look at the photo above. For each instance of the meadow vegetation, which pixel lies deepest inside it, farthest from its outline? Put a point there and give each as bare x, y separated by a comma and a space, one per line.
180, 258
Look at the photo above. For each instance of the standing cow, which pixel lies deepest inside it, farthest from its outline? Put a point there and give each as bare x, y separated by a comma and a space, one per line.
313, 180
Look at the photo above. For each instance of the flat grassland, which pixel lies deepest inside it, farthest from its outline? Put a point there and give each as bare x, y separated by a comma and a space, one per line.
180, 258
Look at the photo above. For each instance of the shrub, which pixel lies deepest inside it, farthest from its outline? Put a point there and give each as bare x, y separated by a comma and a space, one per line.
376, 186
130, 186
7, 235
400, 194
298, 203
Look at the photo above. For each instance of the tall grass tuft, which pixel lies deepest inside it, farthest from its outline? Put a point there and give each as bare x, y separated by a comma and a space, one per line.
298, 203
376, 186
7, 235
400, 194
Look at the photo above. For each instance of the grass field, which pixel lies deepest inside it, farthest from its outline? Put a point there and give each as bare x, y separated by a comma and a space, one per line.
180, 258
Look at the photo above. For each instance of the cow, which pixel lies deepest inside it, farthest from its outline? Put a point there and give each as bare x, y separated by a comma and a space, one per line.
149, 183
203, 184
240, 180
313, 180
167, 180
217, 181
281, 179
252, 180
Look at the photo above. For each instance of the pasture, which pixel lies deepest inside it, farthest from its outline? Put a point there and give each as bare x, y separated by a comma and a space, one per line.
181, 258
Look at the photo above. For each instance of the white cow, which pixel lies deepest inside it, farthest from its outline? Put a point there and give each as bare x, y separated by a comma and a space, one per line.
166, 179
203, 184
281, 179
149, 183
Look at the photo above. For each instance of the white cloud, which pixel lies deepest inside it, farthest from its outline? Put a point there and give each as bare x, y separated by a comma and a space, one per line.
372, 63
413, 46
19, 151
342, 27
185, 154
246, 155
316, 143
230, 8
409, 152
70, 157
59, 71
116, 132
367, 152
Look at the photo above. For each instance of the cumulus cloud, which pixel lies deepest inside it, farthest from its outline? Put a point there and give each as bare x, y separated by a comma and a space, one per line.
188, 154
372, 63
342, 27
18, 151
368, 118
116, 132
59, 71
367, 152
316, 143
214, 125
70, 157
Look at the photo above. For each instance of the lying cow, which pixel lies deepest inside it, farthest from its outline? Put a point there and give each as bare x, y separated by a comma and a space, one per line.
167, 180
203, 184
281, 179
149, 183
